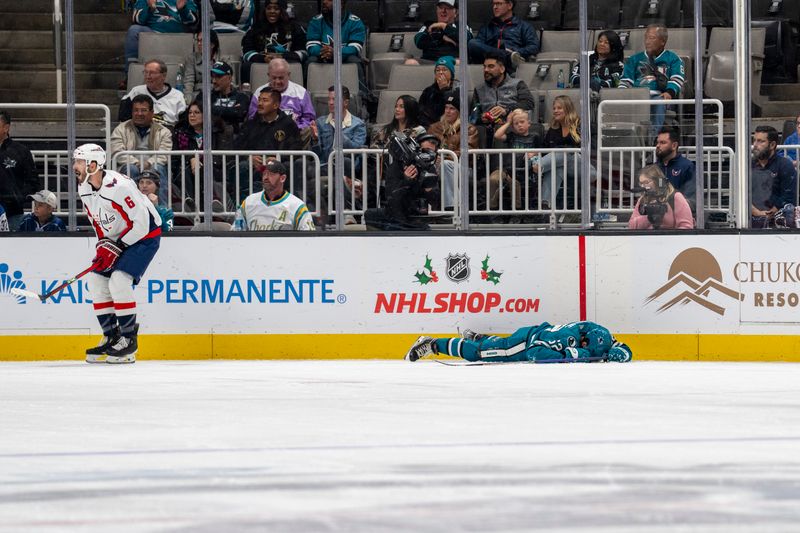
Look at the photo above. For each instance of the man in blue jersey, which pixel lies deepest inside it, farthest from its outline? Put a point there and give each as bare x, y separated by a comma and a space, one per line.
575, 342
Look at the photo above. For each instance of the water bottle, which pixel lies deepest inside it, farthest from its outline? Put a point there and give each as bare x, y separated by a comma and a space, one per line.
560, 80
179, 78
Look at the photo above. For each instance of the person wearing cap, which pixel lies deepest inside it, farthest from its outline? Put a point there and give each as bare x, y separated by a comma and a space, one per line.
448, 131
274, 208
431, 101
440, 38
228, 104
273, 36
42, 218
142, 133
18, 176
506, 34
148, 183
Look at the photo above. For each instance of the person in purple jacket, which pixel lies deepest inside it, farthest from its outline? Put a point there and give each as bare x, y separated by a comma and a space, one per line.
295, 99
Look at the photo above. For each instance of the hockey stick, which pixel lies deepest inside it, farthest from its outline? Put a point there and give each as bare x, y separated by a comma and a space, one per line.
539, 362
30, 294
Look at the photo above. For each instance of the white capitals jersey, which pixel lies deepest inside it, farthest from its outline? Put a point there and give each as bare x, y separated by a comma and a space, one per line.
118, 210
288, 212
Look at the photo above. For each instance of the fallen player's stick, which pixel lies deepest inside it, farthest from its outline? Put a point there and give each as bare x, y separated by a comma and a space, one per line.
30, 294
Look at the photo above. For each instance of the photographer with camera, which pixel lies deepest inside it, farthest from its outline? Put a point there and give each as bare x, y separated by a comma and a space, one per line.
412, 183
660, 206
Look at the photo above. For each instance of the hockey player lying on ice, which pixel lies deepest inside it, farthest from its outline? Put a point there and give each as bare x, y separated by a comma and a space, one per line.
568, 343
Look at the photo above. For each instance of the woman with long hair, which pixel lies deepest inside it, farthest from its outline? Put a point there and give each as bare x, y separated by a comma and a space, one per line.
564, 132
273, 36
406, 120
660, 206
605, 65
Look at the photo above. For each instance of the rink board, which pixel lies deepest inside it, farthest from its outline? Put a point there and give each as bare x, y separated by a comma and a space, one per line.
672, 297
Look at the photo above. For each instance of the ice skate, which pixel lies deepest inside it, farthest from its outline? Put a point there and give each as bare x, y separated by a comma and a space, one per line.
424, 346
97, 354
124, 350
471, 335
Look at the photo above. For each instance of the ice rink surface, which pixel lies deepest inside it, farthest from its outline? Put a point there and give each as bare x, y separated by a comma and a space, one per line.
374, 446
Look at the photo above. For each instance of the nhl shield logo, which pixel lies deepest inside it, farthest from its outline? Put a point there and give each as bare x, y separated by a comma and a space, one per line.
458, 267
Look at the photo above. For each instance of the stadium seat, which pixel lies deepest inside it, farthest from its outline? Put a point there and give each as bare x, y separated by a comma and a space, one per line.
304, 11
411, 77
543, 75
259, 74
168, 47
386, 104
367, 11
394, 15
475, 76
562, 46
382, 58
720, 70
230, 44
549, 13
625, 124
668, 12
320, 77
715, 12
603, 15
722, 40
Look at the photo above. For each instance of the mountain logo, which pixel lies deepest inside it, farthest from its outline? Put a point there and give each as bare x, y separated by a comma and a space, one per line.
694, 277
10, 281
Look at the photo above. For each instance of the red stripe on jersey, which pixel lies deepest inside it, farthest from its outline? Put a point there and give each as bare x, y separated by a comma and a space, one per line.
97, 229
103, 305
125, 217
155, 233
126, 305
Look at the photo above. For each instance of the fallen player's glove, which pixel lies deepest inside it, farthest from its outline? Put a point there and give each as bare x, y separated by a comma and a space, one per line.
106, 254
619, 353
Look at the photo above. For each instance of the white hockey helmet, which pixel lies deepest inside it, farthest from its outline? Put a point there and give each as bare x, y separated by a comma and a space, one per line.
90, 152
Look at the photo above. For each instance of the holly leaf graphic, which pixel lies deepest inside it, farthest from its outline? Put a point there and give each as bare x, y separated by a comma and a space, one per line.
485, 264
428, 264
423, 278
493, 276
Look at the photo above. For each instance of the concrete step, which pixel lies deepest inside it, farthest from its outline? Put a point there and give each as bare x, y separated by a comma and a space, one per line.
98, 79
96, 56
84, 40
27, 129
782, 92
780, 109
59, 116
47, 94
21, 21
46, 6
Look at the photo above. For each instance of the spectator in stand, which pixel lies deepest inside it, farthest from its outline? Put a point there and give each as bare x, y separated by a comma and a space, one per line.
3, 220
354, 135
605, 65
187, 169
678, 170
142, 133
506, 36
159, 16
439, 39
270, 130
273, 36
319, 39
564, 132
149, 182
406, 120
42, 218
516, 133
793, 139
228, 105
660, 206
498, 95
274, 208
193, 65
448, 131
773, 185
431, 102
21, 178
233, 15
168, 103
295, 99
658, 69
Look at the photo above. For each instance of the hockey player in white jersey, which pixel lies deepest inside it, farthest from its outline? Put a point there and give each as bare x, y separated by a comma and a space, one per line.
128, 229
273, 208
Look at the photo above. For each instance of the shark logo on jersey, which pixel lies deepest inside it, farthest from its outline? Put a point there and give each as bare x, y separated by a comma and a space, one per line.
9, 163
10, 281
458, 267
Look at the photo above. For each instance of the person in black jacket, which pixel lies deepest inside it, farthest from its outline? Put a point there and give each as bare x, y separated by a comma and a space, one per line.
271, 130
21, 178
273, 36
440, 38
